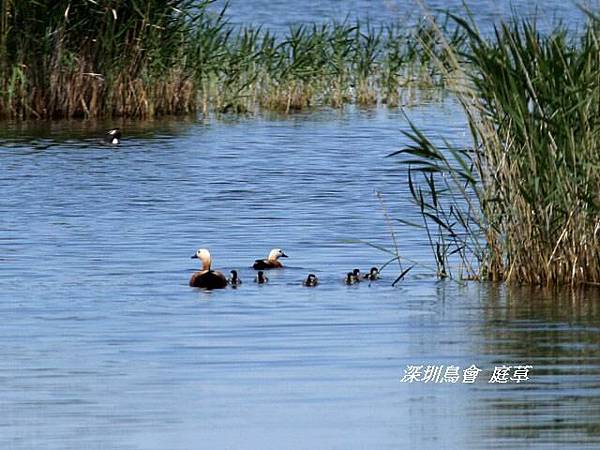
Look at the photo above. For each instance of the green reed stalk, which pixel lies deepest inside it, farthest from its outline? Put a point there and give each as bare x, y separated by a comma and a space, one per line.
522, 204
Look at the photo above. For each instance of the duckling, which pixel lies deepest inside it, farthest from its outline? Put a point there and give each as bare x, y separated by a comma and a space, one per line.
350, 278
272, 261
261, 278
234, 280
357, 276
311, 280
113, 136
372, 275
207, 278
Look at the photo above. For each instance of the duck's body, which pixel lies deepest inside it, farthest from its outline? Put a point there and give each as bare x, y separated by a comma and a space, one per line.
207, 278
261, 278
234, 280
372, 275
113, 136
271, 262
311, 280
263, 264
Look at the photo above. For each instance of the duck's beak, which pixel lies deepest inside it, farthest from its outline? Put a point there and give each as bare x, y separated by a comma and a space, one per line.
194, 257
283, 255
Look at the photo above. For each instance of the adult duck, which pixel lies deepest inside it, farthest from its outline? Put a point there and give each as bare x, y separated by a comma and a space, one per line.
207, 278
271, 262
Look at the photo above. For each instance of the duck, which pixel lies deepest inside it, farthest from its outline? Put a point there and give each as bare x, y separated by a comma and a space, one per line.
234, 280
207, 278
350, 278
271, 262
261, 278
311, 280
113, 136
372, 275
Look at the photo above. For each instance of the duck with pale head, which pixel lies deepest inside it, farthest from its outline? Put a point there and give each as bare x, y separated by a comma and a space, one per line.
207, 278
271, 261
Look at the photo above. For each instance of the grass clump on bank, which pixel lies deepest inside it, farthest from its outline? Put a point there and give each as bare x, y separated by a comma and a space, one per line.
523, 204
332, 64
61, 59
82, 58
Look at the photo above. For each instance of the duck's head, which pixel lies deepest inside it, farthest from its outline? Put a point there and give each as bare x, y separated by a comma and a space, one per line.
374, 271
311, 278
204, 256
275, 254
234, 275
356, 273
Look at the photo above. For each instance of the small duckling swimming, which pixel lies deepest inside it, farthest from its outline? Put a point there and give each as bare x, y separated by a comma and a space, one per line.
311, 280
372, 275
207, 278
234, 280
350, 278
113, 136
260, 278
271, 262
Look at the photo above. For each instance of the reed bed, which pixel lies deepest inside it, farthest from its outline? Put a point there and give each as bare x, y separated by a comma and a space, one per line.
523, 203
107, 58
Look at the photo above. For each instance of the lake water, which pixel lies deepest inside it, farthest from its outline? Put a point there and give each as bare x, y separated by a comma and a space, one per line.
278, 15
104, 346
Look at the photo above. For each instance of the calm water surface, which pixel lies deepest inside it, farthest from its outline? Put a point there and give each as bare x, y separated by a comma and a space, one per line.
104, 346
278, 15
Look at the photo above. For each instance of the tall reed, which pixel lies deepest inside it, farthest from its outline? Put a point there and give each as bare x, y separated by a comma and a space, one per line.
521, 204
78, 58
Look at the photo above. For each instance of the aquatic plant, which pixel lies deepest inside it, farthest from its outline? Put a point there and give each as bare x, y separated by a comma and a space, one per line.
82, 58
78, 58
522, 204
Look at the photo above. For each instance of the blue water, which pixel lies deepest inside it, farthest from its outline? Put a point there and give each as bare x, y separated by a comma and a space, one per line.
104, 346
278, 15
